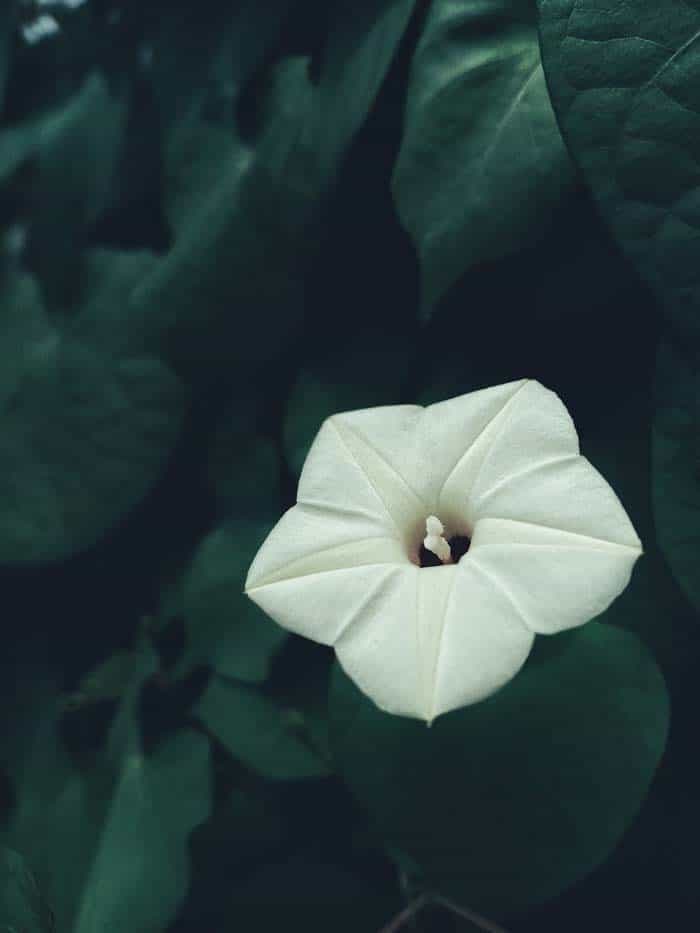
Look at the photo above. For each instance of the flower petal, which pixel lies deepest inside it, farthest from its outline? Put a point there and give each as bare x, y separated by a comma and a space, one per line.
307, 552
533, 427
344, 469
305, 531
556, 579
463, 642
526, 467
323, 605
483, 643
419, 447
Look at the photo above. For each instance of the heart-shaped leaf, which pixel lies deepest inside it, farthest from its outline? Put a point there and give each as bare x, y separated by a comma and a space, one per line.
509, 801
624, 83
84, 434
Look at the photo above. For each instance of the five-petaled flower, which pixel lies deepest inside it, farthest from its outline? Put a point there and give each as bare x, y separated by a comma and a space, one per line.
430, 545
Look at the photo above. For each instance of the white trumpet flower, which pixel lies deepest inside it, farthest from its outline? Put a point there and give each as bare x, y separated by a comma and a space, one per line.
430, 545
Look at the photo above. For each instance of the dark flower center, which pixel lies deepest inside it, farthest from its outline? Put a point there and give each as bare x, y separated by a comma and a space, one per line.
459, 545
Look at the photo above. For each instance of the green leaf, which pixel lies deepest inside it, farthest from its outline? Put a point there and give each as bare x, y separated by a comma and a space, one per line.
225, 628
482, 165
217, 48
22, 905
359, 50
83, 434
624, 83
108, 681
676, 464
258, 732
509, 801
108, 279
77, 156
109, 843
56, 136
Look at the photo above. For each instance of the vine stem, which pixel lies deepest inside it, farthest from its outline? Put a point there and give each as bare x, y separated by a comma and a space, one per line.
480, 922
405, 915
410, 911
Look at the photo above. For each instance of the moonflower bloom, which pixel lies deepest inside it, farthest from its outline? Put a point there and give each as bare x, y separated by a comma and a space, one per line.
430, 545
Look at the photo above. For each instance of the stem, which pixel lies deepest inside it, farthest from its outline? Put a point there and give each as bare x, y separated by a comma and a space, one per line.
476, 919
406, 914
481, 923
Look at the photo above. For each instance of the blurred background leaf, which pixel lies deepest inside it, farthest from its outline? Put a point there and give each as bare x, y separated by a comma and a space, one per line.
22, 906
108, 841
482, 164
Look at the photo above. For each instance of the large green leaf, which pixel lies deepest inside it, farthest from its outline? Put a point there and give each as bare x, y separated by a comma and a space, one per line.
482, 164
84, 434
109, 842
259, 732
22, 905
509, 801
676, 464
624, 83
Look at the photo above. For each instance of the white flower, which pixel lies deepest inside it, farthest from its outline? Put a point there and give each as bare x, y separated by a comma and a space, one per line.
385, 489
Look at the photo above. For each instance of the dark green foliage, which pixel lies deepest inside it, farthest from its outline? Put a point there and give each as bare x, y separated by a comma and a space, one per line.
22, 905
501, 817
107, 840
624, 85
258, 732
482, 164
676, 464
84, 433
221, 222
85, 138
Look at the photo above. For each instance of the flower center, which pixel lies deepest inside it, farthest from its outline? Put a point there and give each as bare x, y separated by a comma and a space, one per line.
437, 549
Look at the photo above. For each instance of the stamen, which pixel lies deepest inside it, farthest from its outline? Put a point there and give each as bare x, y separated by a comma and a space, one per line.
434, 540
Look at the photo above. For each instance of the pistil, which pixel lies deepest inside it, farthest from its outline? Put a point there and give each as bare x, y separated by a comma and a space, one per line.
435, 541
